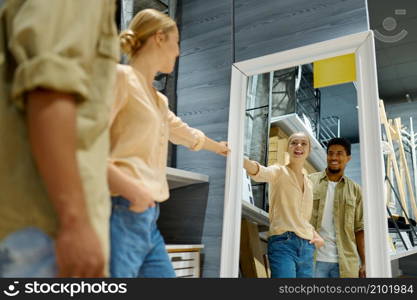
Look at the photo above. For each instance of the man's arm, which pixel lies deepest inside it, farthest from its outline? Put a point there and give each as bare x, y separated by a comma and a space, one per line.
360, 244
51, 121
359, 233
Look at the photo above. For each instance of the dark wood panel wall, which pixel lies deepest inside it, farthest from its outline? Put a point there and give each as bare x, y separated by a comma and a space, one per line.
212, 34
267, 26
203, 88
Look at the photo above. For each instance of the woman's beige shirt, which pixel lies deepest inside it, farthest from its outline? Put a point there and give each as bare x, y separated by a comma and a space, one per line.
141, 126
290, 208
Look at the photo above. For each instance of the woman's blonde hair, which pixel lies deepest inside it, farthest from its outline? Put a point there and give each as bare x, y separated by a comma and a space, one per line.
292, 136
145, 24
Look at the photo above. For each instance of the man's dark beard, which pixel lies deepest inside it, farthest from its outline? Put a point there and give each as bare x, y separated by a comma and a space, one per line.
333, 171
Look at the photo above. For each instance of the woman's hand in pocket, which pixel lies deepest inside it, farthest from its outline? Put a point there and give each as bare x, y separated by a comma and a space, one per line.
317, 240
141, 200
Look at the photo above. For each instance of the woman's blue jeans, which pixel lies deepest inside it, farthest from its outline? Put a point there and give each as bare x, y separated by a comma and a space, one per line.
137, 246
290, 256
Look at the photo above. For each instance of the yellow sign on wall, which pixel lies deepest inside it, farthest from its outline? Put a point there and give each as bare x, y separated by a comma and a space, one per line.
335, 70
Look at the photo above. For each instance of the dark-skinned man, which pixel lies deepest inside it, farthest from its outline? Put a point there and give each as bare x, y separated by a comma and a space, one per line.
338, 216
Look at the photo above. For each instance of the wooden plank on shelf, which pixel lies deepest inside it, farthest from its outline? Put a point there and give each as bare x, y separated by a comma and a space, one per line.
403, 158
251, 255
183, 248
394, 133
387, 127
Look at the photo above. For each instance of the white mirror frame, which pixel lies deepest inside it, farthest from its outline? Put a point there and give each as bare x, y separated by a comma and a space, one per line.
372, 170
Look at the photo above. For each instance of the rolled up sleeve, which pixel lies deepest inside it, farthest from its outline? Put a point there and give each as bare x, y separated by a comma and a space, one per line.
54, 44
181, 133
36, 73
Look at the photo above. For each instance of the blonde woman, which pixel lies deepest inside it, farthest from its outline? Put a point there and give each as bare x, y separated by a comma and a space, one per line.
292, 238
141, 125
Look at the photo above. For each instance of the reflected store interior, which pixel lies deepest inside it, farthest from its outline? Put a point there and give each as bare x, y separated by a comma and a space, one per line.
279, 104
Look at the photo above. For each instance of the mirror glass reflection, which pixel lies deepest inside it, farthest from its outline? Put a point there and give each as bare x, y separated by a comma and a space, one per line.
299, 194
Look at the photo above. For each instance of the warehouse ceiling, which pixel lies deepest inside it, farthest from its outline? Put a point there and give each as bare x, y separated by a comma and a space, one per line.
395, 27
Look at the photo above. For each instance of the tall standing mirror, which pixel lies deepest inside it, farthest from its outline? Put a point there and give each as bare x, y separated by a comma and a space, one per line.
280, 94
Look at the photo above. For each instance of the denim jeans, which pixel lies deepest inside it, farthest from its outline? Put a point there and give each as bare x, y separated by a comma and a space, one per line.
290, 256
137, 246
28, 252
324, 269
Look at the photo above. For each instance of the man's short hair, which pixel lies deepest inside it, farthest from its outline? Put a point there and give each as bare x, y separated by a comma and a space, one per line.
340, 141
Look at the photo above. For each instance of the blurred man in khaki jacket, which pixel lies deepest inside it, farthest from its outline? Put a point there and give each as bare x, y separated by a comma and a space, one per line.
57, 67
